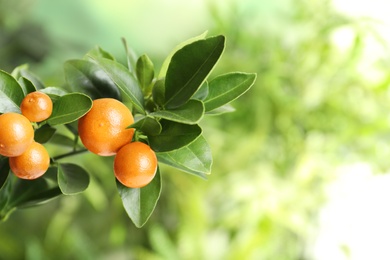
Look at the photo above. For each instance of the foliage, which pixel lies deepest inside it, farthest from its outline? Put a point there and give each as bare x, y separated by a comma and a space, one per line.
314, 106
167, 117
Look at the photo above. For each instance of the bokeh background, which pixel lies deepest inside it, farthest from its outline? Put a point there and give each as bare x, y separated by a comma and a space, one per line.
300, 169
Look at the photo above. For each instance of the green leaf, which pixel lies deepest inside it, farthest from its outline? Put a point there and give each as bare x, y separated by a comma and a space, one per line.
19, 193
35, 192
195, 158
5, 195
87, 77
131, 56
145, 73
72, 179
16, 73
54, 92
221, 110
190, 113
98, 52
158, 92
174, 136
4, 170
23, 71
44, 133
69, 108
189, 67
26, 85
11, 93
148, 125
226, 88
167, 60
202, 92
140, 203
124, 80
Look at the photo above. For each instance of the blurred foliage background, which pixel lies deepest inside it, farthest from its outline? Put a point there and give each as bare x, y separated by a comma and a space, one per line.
318, 104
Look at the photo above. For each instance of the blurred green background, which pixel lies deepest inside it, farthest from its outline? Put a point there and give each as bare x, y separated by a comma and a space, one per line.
319, 103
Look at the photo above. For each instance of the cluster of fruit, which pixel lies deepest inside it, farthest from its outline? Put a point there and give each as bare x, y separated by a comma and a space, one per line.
27, 158
104, 131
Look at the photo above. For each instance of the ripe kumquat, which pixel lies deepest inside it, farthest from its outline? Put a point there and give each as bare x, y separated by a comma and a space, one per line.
103, 130
31, 164
36, 106
135, 165
16, 134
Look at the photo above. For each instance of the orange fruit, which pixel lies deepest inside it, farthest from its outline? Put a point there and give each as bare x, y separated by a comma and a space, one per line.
103, 129
36, 106
31, 164
135, 165
16, 134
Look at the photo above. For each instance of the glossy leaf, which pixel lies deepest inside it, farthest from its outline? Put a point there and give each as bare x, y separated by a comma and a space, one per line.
4, 170
16, 72
221, 110
19, 193
23, 71
124, 80
195, 158
174, 136
87, 77
190, 113
69, 108
26, 85
72, 179
145, 73
202, 92
148, 125
226, 88
54, 92
167, 60
139, 203
158, 92
98, 52
44, 133
11, 93
188, 69
37, 191
131, 57
5, 196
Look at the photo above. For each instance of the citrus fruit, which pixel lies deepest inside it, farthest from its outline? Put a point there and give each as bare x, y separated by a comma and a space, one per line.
16, 134
103, 129
135, 165
31, 164
36, 106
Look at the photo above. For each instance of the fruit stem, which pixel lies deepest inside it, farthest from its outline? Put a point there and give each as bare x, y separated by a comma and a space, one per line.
138, 136
35, 125
61, 156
